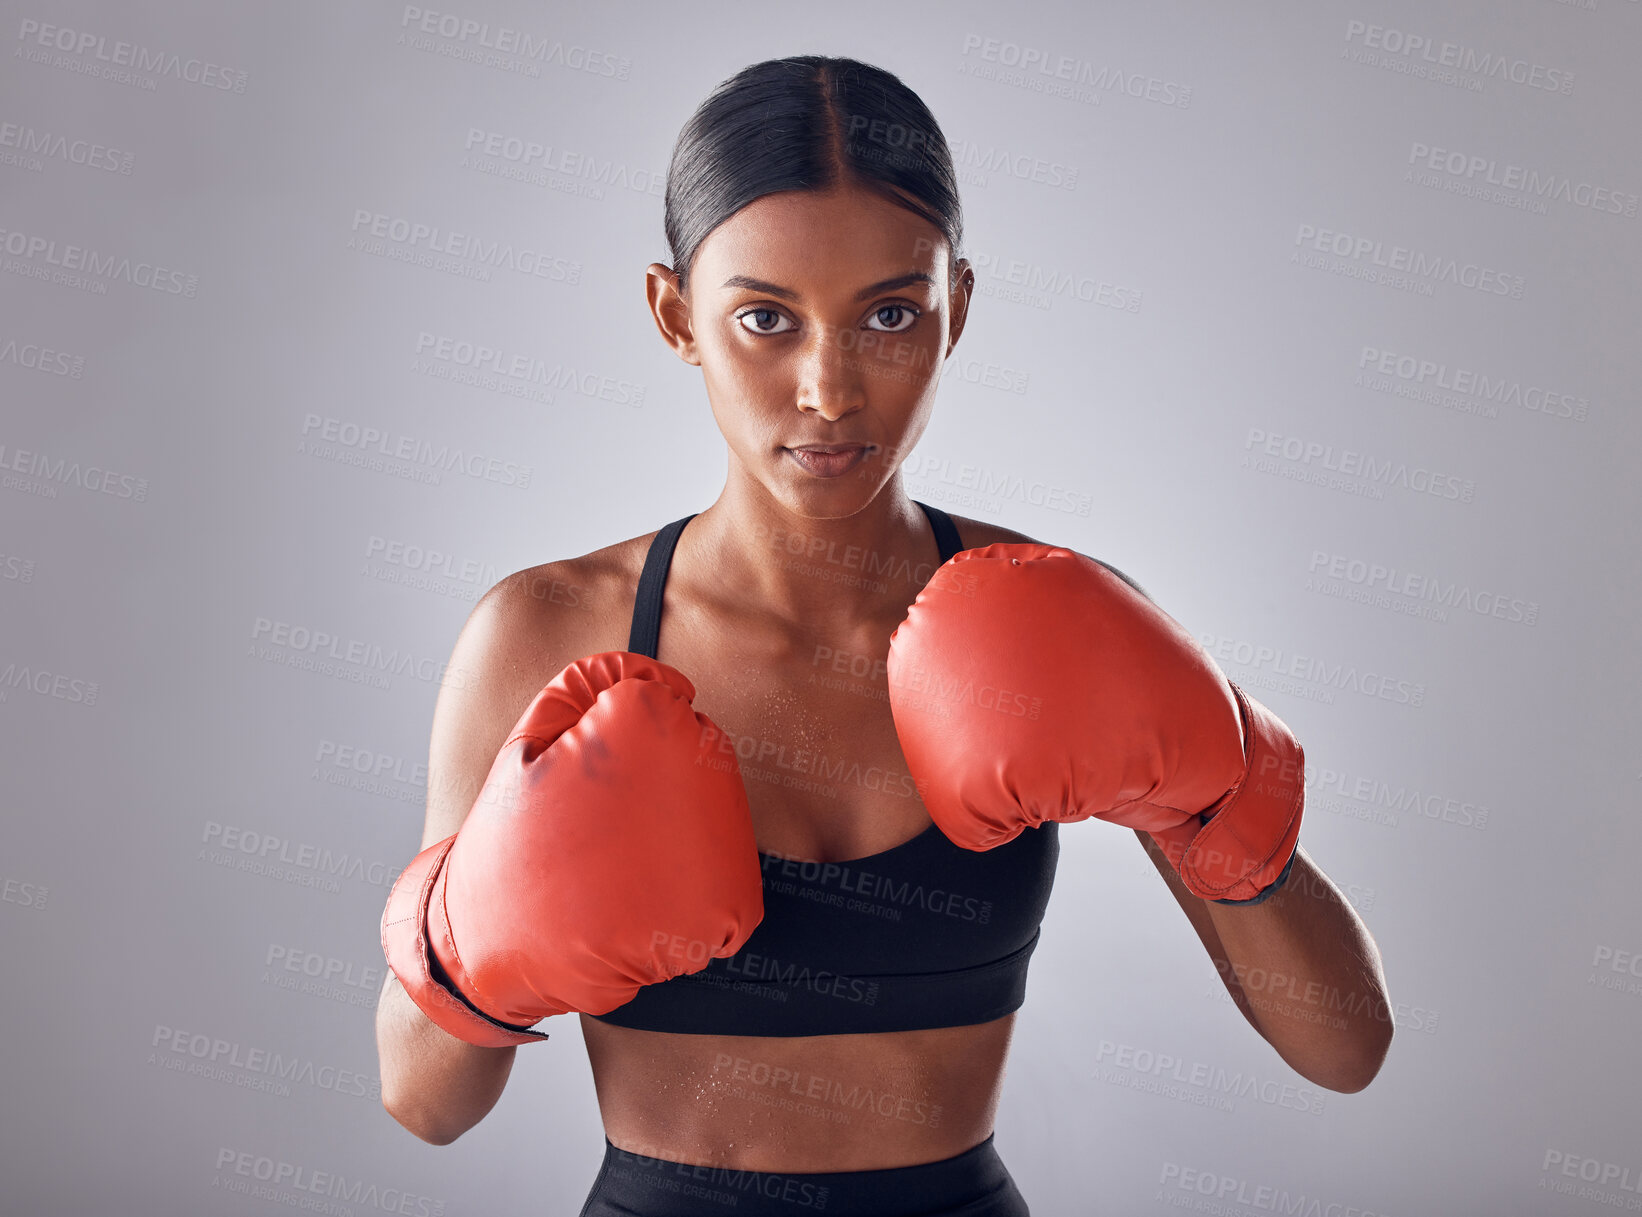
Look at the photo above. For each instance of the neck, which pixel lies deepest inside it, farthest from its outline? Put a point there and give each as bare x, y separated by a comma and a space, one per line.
860, 566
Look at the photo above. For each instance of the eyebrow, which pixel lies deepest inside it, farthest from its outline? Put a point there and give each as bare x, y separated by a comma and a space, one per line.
786, 293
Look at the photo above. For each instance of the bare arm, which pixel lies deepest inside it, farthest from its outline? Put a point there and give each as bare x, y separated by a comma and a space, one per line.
1303, 969
1300, 965
434, 1084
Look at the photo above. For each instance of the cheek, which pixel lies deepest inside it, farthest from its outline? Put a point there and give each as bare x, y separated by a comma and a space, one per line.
750, 384
747, 403
747, 389
901, 362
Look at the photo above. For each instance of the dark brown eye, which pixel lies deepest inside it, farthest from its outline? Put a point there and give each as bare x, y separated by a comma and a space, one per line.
761, 326
911, 316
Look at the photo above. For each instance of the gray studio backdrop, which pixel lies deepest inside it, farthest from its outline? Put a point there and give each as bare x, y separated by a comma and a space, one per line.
1321, 320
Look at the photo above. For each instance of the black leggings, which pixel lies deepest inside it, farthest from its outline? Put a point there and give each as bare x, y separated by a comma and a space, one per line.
975, 1183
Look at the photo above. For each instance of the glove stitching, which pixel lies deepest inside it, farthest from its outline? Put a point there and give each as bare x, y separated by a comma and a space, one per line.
471, 1006
1260, 863
450, 1002
1223, 822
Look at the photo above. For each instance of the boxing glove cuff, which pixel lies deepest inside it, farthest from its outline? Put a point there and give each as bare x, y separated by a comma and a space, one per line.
1245, 848
405, 945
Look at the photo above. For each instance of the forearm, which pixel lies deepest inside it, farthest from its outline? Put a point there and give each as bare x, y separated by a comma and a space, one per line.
1306, 973
432, 1083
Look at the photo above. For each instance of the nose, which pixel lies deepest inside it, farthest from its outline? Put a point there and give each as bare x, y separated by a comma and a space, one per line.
829, 375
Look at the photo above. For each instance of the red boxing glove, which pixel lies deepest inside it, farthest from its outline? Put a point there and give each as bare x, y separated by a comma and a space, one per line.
1030, 683
610, 829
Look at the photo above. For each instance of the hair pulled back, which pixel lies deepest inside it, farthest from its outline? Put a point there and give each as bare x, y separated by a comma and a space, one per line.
807, 122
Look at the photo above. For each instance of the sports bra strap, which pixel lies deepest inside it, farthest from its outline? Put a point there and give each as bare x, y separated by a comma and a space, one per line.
946, 532
645, 635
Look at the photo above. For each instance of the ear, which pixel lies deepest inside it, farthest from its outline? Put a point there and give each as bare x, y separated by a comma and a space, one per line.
963, 287
670, 310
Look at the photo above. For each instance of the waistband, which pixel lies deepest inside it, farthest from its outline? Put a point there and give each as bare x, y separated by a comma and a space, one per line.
974, 1183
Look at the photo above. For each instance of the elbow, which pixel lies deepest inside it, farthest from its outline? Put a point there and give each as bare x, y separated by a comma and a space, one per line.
417, 1121
1352, 1072
437, 1136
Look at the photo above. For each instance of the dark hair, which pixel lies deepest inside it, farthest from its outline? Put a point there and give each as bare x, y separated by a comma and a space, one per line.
807, 122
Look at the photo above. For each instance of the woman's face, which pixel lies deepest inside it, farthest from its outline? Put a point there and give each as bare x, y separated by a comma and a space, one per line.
820, 322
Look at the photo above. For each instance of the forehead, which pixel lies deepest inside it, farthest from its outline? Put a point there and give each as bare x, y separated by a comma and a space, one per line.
846, 233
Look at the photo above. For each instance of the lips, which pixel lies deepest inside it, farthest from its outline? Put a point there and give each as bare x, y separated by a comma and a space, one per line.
829, 460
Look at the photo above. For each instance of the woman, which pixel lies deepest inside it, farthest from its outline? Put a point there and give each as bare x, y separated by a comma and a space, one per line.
812, 995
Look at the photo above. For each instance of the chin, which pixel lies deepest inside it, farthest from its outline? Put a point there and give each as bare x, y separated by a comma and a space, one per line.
830, 498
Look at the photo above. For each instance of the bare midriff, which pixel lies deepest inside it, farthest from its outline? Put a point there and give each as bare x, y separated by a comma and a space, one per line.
802, 1104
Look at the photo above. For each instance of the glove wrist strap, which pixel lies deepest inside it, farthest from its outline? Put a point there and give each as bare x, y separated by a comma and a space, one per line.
1245, 849
405, 945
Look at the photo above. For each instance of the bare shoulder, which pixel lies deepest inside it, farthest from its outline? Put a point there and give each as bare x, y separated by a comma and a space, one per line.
572, 606
523, 632
976, 533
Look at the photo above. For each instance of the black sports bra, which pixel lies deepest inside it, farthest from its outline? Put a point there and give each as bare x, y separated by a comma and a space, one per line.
924, 934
